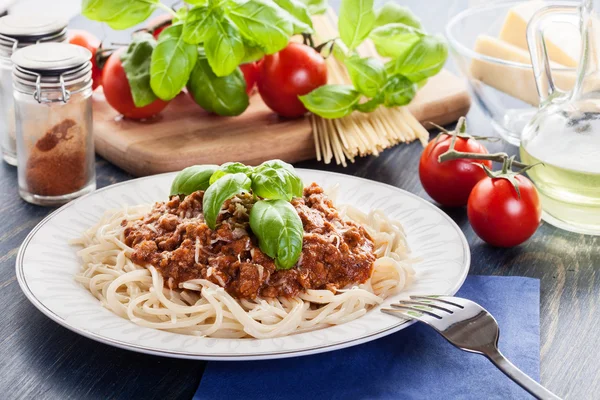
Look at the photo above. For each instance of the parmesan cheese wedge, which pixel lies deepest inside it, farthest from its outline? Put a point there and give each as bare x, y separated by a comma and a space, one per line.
514, 81
563, 40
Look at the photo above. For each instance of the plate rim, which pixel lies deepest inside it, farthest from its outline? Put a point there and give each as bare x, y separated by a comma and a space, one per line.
227, 357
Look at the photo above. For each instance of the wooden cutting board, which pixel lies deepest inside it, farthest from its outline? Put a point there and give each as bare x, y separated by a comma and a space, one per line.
184, 134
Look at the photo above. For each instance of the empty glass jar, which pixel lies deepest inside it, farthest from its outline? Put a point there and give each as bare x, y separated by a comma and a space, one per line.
53, 104
17, 32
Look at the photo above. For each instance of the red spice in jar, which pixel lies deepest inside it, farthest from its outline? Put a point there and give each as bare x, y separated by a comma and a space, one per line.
57, 163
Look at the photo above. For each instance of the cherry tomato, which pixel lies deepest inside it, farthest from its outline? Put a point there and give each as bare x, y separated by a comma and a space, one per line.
92, 43
118, 92
450, 182
159, 24
296, 70
250, 72
499, 216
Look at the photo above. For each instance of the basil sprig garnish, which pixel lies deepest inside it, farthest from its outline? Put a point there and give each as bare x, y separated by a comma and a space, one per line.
191, 179
276, 180
230, 168
273, 219
221, 191
279, 230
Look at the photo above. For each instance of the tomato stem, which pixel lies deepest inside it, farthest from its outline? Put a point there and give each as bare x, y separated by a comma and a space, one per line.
308, 39
497, 157
102, 54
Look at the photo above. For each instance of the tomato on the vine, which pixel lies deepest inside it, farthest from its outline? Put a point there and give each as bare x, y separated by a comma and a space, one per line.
294, 71
499, 215
250, 71
450, 182
118, 92
92, 43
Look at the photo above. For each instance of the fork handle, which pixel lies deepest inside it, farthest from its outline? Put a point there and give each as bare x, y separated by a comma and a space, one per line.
514, 373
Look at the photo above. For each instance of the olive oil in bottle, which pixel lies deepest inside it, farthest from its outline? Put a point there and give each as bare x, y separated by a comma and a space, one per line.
564, 134
570, 196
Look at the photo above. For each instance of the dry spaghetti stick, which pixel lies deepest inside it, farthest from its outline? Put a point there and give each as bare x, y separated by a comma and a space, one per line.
421, 132
338, 146
391, 132
336, 150
397, 127
336, 124
313, 125
327, 150
401, 121
360, 139
318, 121
369, 131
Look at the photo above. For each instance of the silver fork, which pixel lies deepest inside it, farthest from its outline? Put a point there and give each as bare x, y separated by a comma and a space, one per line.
469, 327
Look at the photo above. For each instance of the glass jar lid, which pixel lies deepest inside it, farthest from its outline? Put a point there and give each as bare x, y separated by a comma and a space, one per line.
49, 67
30, 26
51, 58
18, 31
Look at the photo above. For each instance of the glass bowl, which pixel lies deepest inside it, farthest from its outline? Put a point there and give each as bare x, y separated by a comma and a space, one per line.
486, 75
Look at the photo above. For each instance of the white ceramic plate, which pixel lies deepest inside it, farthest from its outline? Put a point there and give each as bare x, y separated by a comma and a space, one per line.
46, 264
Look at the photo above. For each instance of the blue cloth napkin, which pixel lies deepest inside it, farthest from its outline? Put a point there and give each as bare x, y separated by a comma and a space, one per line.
415, 363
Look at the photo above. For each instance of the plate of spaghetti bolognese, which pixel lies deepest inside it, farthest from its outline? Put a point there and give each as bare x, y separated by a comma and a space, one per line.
234, 262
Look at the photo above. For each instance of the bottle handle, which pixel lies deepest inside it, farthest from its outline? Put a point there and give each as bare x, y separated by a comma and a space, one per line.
540, 62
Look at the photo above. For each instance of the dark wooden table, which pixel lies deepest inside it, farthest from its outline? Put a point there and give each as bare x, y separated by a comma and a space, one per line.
40, 359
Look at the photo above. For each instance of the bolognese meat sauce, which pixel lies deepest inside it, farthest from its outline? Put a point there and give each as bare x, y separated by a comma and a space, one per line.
174, 238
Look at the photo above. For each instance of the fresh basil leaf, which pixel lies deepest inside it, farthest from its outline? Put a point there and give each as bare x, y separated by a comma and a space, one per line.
262, 23
224, 48
356, 20
299, 13
118, 14
391, 13
199, 24
276, 179
252, 53
172, 62
279, 230
424, 59
331, 101
398, 91
367, 74
315, 6
230, 168
224, 95
393, 40
198, 2
221, 191
371, 105
181, 16
192, 179
136, 63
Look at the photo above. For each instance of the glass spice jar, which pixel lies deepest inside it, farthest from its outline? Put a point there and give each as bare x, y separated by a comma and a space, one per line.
55, 149
16, 32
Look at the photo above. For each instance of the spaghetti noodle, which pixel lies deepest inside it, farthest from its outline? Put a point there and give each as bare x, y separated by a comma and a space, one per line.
204, 308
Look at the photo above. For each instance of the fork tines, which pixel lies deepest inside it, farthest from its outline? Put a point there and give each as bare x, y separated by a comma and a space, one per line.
424, 305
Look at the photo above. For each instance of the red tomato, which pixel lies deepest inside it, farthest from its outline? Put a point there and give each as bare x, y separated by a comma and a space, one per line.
159, 23
118, 92
89, 41
499, 216
296, 70
250, 72
450, 182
